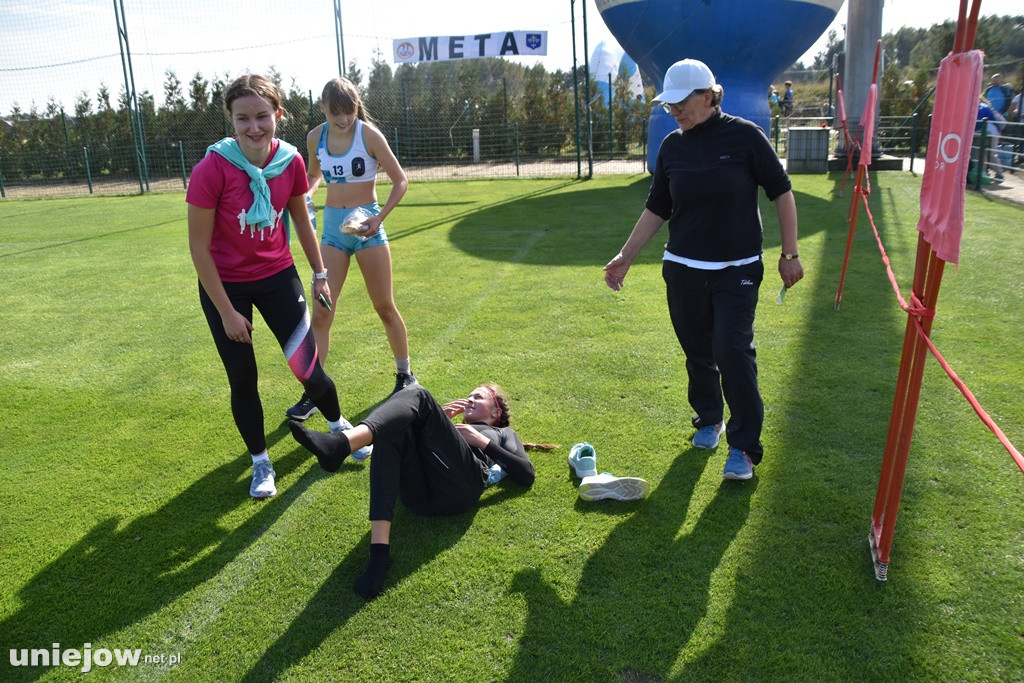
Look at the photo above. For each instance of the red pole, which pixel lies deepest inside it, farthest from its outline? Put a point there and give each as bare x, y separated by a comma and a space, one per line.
852, 220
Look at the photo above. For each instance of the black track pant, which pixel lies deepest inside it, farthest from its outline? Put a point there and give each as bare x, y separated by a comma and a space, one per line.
712, 312
419, 455
279, 299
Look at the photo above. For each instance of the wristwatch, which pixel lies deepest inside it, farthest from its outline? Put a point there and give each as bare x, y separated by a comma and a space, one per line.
320, 276
788, 257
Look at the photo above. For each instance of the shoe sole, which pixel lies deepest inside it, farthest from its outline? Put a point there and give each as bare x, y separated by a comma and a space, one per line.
301, 417
737, 477
622, 488
259, 495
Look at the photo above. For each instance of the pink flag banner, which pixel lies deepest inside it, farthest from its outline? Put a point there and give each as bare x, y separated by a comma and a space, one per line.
867, 122
949, 151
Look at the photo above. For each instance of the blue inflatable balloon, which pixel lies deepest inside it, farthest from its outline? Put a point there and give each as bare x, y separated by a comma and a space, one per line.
607, 61
746, 43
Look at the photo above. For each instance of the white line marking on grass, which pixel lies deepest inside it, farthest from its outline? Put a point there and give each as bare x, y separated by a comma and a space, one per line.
445, 338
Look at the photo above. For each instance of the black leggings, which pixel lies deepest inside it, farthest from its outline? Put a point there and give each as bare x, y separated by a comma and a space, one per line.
418, 454
279, 299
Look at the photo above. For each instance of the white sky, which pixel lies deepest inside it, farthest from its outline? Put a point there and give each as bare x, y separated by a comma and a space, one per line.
213, 36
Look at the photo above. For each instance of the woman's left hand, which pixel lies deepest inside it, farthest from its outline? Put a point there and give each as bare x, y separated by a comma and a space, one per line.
318, 287
471, 436
792, 271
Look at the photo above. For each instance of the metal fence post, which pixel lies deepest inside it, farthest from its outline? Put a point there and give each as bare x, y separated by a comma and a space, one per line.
3, 191
517, 147
979, 165
776, 133
913, 142
181, 158
88, 171
611, 129
643, 144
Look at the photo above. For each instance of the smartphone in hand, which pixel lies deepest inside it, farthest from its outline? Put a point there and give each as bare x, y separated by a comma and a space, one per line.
322, 298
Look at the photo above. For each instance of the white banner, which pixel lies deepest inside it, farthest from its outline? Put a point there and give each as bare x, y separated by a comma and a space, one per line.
444, 48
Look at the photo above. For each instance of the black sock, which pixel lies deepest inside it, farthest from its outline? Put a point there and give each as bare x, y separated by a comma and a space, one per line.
371, 580
329, 449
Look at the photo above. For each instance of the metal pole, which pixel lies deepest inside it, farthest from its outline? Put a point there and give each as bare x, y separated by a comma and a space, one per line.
3, 191
88, 171
339, 37
643, 142
405, 110
517, 147
67, 143
831, 78
575, 86
181, 159
913, 142
504, 90
131, 101
611, 131
309, 93
586, 91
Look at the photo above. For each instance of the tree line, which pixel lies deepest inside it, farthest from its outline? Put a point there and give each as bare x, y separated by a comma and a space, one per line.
427, 111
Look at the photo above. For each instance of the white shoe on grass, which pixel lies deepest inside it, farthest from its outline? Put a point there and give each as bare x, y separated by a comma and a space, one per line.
583, 459
605, 486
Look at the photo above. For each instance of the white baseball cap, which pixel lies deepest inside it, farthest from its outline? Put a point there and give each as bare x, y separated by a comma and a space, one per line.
682, 78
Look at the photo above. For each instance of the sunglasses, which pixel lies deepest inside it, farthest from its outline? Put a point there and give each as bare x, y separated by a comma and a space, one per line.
679, 105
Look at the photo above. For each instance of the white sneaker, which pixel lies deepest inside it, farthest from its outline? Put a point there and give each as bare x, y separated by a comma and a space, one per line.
604, 485
262, 480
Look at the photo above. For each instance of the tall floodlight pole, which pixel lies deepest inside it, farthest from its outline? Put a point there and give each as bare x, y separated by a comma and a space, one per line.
131, 100
586, 91
339, 37
575, 85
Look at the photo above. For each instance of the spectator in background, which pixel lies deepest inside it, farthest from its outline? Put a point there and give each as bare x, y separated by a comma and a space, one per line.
787, 99
999, 94
993, 122
773, 99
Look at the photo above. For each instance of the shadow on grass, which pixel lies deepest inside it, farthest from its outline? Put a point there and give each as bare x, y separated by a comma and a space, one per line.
335, 603
114, 577
641, 594
587, 225
807, 605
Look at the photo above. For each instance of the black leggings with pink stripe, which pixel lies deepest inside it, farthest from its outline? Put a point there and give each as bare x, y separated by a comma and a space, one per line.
281, 301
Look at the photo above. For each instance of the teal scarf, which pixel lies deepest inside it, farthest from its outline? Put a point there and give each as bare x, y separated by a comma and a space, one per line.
260, 214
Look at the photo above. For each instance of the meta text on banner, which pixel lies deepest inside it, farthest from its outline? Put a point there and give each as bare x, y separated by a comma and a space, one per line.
444, 48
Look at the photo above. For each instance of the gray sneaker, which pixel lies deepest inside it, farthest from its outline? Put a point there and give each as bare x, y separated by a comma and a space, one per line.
707, 437
262, 480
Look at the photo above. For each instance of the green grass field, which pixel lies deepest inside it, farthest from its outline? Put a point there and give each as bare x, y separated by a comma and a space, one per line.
126, 522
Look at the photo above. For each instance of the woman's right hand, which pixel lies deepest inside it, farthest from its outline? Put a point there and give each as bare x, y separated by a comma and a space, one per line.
615, 271
237, 327
454, 408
